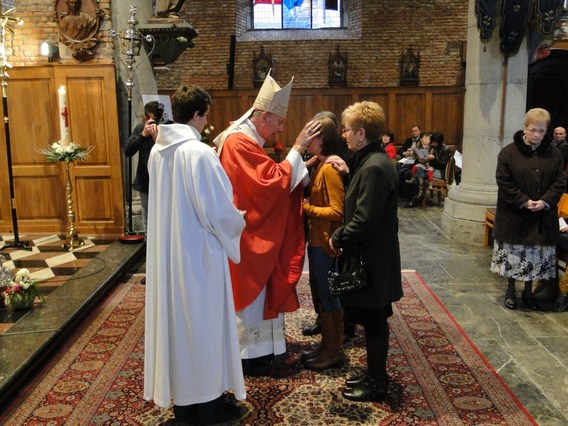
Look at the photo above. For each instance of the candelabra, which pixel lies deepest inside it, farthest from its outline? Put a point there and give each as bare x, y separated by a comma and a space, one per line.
6, 23
131, 41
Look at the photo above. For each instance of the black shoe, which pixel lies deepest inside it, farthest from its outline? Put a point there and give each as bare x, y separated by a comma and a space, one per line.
229, 414
185, 414
562, 303
355, 381
414, 202
528, 301
256, 367
311, 330
348, 332
367, 390
510, 300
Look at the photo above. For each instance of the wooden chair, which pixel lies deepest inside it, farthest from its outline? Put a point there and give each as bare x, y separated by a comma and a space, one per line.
561, 255
489, 219
440, 186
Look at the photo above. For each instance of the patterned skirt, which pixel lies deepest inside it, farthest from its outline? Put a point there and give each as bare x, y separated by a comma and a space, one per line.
523, 262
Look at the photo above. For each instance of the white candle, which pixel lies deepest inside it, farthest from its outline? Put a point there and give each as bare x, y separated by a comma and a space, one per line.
63, 116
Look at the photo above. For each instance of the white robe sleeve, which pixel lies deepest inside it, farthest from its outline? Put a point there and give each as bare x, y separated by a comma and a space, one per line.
299, 169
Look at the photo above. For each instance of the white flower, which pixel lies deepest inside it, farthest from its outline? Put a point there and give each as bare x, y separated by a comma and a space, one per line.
206, 131
22, 274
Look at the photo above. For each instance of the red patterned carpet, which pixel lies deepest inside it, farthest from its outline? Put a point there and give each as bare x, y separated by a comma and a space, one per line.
437, 376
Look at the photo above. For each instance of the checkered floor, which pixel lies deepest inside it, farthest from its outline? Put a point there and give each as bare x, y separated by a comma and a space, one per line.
49, 262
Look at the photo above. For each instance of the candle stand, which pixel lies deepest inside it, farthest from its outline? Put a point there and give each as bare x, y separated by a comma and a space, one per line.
73, 241
5, 23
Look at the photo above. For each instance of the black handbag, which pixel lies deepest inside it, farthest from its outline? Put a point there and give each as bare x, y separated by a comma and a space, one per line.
352, 279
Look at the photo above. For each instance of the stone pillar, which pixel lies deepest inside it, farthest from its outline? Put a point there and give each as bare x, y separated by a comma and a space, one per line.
464, 209
144, 82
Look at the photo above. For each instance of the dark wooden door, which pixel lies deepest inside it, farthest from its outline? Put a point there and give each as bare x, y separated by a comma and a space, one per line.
548, 87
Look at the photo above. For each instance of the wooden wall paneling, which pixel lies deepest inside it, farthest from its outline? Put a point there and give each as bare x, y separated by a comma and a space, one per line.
301, 108
226, 108
392, 119
432, 108
335, 103
97, 182
428, 126
447, 117
410, 110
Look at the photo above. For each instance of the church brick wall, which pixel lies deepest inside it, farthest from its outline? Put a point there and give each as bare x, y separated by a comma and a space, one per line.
437, 29
23, 48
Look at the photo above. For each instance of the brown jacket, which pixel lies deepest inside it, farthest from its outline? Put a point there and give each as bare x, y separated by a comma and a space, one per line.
325, 209
524, 174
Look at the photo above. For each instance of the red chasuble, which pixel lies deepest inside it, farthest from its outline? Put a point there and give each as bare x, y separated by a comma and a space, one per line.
272, 243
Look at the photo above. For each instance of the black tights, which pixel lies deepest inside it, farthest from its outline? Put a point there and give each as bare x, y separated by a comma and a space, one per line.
511, 286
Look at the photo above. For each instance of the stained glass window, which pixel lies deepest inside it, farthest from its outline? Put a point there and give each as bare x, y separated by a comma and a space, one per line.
296, 14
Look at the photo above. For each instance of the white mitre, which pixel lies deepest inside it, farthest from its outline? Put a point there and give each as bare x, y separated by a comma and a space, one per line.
271, 98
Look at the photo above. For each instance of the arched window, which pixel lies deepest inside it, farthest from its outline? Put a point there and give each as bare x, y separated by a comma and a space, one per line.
296, 14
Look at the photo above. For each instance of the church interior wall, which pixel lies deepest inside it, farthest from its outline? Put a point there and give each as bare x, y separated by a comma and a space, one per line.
436, 29
377, 34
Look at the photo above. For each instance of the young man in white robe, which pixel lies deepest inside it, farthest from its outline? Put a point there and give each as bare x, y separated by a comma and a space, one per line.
191, 344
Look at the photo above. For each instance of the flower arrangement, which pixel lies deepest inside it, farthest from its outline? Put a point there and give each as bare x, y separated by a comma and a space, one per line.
22, 290
65, 150
5, 278
206, 135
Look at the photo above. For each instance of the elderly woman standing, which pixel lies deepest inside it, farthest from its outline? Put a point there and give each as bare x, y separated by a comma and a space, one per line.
370, 230
530, 180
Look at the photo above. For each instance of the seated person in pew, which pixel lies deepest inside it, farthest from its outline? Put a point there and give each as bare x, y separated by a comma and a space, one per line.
421, 172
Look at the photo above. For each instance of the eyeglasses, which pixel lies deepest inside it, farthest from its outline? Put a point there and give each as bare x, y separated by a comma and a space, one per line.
533, 130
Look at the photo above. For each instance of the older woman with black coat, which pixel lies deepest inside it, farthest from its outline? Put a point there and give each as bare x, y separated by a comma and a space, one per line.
530, 179
370, 229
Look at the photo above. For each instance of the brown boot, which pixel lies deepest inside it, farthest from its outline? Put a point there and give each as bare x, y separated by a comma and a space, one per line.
332, 355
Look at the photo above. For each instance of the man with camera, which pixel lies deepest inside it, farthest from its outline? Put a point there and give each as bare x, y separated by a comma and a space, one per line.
141, 141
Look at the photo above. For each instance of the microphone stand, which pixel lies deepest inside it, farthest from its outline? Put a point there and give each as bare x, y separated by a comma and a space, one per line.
5, 23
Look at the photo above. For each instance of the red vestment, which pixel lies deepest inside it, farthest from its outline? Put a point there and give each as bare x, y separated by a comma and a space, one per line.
272, 243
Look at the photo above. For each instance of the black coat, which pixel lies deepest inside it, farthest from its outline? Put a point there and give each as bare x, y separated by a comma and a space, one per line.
142, 145
371, 222
524, 174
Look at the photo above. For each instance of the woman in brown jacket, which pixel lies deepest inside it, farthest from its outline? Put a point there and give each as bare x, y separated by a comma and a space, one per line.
530, 180
324, 209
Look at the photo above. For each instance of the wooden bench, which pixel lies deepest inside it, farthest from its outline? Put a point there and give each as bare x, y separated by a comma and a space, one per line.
561, 259
489, 219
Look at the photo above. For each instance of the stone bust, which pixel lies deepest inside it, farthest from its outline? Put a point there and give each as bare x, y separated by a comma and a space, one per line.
169, 9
